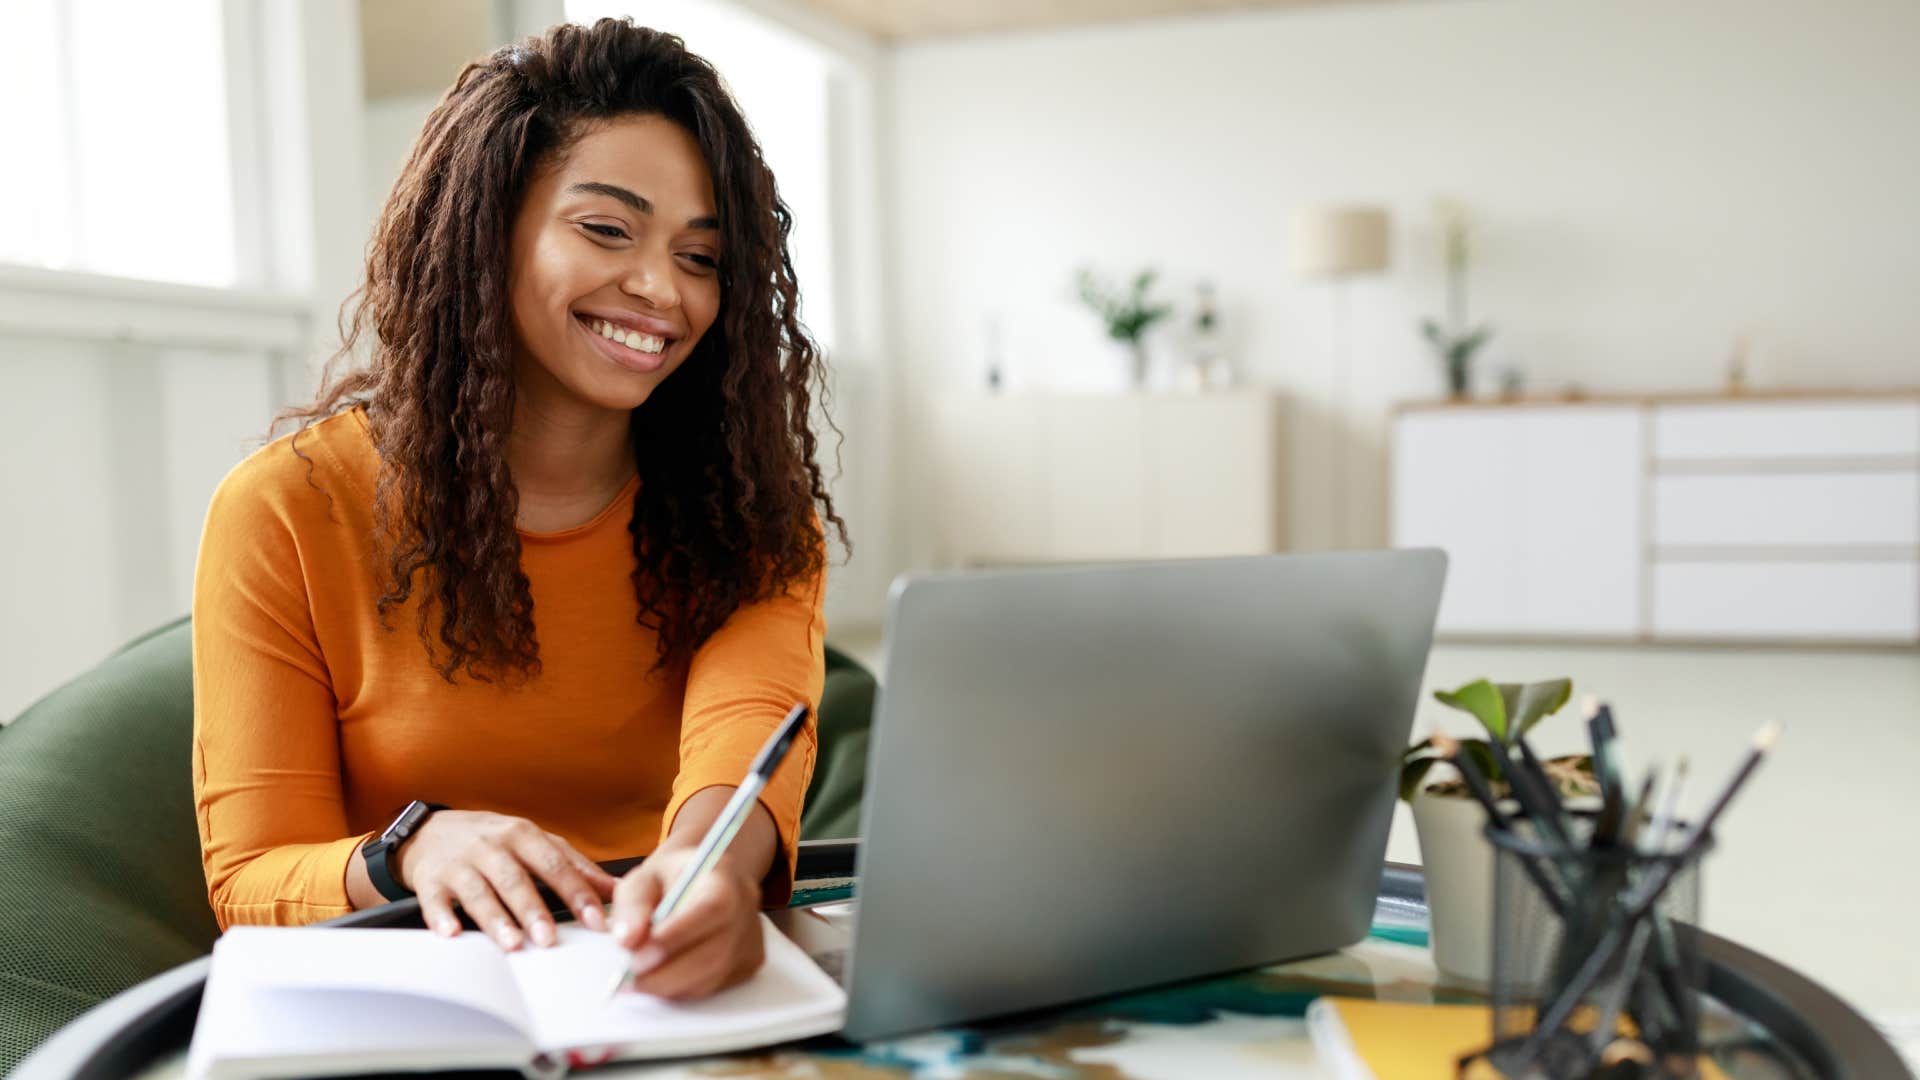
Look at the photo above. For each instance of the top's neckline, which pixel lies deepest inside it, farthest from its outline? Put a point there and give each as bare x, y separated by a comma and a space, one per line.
625, 496
594, 522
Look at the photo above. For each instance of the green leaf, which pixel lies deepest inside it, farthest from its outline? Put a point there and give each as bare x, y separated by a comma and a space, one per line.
1470, 343
1431, 331
1412, 774
1529, 703
1482, 754
1481, 700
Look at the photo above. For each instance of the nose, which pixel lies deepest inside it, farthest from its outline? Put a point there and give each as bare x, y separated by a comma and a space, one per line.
649, 277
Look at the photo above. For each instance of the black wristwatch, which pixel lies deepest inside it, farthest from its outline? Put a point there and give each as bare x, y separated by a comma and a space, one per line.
381, 848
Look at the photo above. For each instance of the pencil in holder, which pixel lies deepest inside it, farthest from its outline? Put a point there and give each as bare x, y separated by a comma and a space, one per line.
1595, 961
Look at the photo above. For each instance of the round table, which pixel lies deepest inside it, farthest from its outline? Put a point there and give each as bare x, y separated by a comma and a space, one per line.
1244, 1023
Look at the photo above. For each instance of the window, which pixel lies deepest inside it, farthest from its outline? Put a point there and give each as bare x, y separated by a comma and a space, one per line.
780, 83
117, 110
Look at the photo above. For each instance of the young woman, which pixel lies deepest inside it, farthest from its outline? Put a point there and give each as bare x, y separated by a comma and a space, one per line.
579, 468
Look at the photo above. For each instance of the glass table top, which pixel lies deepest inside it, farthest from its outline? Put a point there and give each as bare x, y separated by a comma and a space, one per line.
1245, 1024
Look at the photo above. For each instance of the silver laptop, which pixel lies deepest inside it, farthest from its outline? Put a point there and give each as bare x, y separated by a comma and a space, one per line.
1094, 779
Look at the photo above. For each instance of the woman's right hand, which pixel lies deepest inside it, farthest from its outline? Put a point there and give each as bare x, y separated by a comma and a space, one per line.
487, 863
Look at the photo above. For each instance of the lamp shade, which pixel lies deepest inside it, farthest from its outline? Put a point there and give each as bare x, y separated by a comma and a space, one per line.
1339, 240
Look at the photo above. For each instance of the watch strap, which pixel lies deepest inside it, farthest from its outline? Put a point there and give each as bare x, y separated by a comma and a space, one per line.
380, 850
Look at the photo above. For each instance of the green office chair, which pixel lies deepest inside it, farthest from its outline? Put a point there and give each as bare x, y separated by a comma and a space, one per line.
100, 879
832, 810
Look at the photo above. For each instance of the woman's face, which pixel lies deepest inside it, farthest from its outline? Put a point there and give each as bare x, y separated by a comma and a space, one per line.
613, 267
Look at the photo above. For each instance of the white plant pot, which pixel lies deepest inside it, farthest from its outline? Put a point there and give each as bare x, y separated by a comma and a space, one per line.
1458, 862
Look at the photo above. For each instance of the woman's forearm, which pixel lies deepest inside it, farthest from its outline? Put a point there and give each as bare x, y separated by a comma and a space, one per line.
360, 891
752, 852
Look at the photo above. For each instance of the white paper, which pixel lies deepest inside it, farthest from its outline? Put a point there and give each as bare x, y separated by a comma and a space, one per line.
288, 993
565, 988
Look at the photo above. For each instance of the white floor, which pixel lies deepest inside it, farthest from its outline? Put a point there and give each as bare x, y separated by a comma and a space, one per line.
1817, 862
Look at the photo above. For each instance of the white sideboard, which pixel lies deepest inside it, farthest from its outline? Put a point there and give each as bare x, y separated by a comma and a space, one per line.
1028, 478
1782, 519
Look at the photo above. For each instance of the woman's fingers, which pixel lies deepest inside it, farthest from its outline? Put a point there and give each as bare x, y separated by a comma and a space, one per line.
634, 898
701, 966
493, 866
436, 910
594, 875
554, 861
711, 942
518, 894
483, 907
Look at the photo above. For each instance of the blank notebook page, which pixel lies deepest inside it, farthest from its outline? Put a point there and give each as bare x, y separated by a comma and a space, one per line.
286, 992
565, 988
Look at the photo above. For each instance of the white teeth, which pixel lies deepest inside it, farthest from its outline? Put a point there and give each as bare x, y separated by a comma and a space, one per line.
632, 339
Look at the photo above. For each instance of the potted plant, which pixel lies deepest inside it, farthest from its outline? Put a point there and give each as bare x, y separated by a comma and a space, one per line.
1127, 315
1458, 860
1455, 343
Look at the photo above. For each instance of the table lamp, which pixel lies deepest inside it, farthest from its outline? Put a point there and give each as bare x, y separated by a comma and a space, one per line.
1337, 243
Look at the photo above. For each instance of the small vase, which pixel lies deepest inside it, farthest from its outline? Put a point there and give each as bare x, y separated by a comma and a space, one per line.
1459, 377
1136, 364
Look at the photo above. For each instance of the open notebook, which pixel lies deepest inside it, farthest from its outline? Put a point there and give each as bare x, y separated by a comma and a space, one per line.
295, 1001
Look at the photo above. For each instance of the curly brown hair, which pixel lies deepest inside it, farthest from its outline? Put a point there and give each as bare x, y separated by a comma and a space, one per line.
731, 502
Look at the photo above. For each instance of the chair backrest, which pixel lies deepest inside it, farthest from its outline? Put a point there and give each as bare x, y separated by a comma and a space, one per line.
840, 770
100, 879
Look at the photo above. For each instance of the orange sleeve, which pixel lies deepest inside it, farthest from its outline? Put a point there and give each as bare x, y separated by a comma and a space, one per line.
266, 745
743, 681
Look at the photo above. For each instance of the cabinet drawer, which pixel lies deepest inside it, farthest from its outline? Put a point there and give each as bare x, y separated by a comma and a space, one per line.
1809, 509
1864, 601
1538, 510
1760, 431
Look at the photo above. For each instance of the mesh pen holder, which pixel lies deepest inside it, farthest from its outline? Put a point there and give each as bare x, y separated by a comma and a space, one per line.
1588, 970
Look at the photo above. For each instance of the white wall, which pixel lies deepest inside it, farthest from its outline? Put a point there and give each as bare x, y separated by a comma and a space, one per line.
1649, 179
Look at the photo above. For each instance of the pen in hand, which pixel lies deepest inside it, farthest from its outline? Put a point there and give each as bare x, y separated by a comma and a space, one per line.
724, 828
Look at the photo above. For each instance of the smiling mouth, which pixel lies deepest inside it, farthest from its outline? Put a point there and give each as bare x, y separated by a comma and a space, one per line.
632, 340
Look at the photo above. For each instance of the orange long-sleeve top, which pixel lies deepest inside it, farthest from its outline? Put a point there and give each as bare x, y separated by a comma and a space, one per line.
313, 726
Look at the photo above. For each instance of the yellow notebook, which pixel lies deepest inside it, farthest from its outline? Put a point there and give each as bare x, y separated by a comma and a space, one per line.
1357, 1039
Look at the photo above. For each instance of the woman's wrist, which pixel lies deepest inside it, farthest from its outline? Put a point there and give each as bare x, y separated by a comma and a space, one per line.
751, 855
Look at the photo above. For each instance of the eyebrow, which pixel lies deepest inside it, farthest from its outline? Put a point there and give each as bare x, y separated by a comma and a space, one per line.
639, 203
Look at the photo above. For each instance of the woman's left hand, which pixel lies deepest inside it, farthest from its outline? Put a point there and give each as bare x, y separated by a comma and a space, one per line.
711, 942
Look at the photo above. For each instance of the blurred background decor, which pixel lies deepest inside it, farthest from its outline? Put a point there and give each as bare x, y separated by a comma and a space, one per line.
1207, 366
1453, 342
1127, 314
1336, 244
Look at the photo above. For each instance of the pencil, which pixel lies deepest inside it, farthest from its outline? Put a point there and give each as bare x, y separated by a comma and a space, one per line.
1482, 791
1637, 907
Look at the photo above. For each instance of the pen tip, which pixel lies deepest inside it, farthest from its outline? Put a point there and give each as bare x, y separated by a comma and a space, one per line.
1768, 733
1590, 706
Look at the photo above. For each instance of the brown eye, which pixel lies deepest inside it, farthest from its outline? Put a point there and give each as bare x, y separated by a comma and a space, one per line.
611, 232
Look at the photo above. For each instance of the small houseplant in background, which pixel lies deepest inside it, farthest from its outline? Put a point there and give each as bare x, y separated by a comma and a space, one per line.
1454, 343
1458, 860
1127, 315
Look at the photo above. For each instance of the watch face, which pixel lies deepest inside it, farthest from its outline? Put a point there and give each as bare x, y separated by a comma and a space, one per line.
394, 828
409, 820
